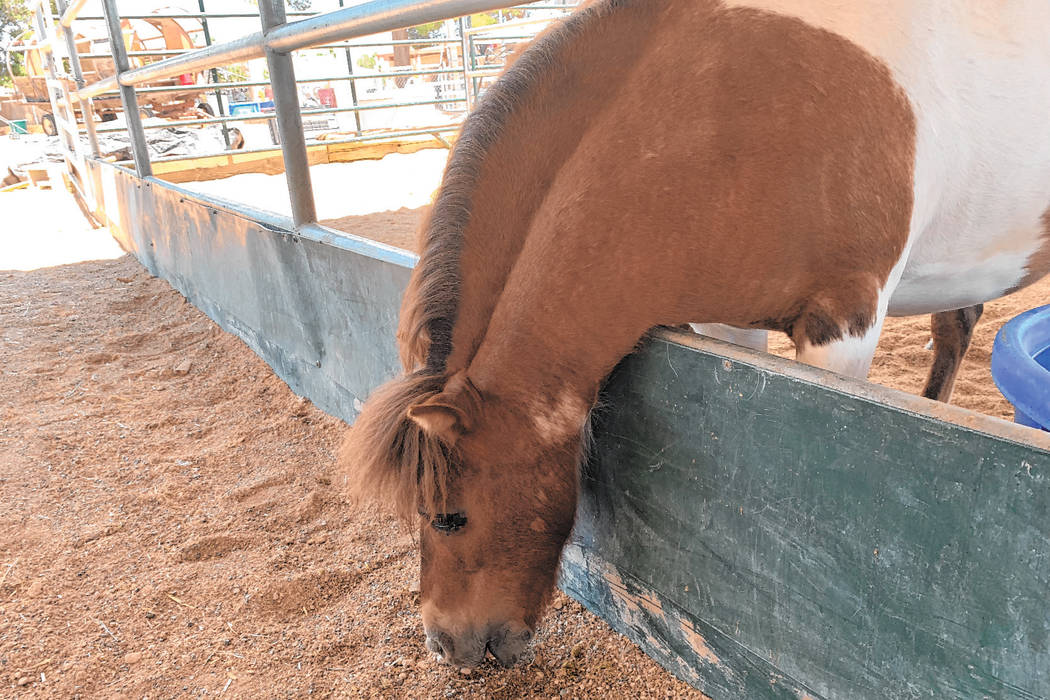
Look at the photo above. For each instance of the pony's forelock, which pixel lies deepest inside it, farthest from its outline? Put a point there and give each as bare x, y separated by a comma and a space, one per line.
390, 459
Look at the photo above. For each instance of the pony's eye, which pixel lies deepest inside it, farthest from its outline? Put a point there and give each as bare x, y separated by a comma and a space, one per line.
448, 522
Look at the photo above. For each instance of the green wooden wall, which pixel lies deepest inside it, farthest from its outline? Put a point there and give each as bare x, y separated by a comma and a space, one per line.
769, 530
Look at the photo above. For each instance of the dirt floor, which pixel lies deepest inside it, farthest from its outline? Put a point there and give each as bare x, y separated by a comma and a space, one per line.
171, 524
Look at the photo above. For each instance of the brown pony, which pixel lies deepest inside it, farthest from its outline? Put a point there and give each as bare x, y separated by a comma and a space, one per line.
806, 166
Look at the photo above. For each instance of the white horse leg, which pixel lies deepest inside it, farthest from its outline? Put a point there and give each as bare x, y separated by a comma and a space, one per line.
753, 338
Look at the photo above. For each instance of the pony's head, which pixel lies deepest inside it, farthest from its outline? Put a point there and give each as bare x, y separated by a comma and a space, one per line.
494, 505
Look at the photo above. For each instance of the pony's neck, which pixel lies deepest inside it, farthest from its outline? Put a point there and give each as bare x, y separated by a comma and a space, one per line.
531, 122
548, 348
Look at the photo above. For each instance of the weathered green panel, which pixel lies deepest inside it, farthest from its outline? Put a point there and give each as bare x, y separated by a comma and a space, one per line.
321, 315
767, 530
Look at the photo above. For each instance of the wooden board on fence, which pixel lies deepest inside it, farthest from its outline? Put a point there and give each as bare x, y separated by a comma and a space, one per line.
770, 531
271, 162
371, 150
268, 162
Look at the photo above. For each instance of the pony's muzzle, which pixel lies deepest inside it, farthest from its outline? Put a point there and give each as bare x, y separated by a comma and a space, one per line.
505, 642
507, 646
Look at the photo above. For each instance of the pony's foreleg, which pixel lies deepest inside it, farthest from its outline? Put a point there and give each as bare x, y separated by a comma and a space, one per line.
952, 331
850, 354
756, 339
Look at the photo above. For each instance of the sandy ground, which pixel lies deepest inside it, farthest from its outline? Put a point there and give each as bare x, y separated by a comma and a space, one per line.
396, 183
44, 228
171, 524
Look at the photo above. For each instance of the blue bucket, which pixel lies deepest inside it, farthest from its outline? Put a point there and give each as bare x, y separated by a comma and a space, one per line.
1021, 366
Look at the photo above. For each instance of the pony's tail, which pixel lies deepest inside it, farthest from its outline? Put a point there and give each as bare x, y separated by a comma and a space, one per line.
389, 458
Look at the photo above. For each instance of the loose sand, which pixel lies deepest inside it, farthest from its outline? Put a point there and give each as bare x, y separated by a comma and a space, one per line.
171, 524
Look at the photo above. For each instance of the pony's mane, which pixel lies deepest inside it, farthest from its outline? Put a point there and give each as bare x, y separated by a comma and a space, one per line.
431, 301
391, 458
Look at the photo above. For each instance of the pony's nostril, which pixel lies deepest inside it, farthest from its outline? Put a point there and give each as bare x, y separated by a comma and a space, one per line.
506, 644
441, 643
445, 640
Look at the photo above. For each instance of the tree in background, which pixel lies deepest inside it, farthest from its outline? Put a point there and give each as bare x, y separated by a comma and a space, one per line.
484, 19
297, 5
14, 19
429, 30
367, 61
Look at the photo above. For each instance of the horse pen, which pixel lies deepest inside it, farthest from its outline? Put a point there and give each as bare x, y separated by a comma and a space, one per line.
173, 518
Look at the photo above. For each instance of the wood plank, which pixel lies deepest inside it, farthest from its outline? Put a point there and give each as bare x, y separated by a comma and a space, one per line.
321, 315
813, 536
271, 162
347, 152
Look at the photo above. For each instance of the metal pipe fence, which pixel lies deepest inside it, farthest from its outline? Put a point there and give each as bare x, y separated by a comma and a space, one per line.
303, 81
338, 45
260, 117
346, 29
434, 131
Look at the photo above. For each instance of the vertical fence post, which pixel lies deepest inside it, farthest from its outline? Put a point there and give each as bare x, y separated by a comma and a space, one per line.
127, 92
214, 75
353, 84
62, 115
289, 120
475, 83
466, 67
47, 57
86, 108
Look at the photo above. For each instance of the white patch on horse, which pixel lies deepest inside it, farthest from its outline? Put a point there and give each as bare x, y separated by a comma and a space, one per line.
943, 286
557, 421
850, 355
975, 74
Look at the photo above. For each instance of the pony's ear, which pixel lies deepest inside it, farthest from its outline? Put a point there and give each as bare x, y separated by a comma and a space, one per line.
450, 413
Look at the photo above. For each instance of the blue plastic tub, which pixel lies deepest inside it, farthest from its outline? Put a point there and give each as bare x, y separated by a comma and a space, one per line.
1021, 366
